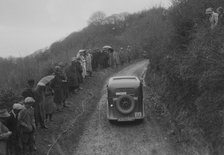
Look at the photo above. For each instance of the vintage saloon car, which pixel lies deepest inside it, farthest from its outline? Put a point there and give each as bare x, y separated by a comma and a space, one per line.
125, 99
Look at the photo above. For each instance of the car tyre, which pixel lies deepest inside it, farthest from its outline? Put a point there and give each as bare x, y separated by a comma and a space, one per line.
119, 107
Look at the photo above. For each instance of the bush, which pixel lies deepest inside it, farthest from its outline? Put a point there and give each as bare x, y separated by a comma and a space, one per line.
8, 98
189, 76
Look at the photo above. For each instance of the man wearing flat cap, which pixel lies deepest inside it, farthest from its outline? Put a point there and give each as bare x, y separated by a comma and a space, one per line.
12, 124
27, 126
213, 17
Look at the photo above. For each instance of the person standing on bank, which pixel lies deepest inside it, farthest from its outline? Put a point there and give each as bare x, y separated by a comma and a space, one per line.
116, 58
4, 131
27, 127
64, 82
88, 58
213, 17
79, 69
57, 84
39, 106
12, 125
49, 103
72, 76
111, 60
220, 12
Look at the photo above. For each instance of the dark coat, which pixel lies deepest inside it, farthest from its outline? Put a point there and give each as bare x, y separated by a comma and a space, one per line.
39, 106
12, 122
72, 76
12, 125
56, 85
95, 61
3, 140
79, 71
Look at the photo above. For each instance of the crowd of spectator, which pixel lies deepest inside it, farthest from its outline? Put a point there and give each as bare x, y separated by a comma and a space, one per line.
19, 124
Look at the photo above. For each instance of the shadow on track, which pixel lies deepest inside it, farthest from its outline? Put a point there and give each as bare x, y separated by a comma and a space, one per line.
127, 124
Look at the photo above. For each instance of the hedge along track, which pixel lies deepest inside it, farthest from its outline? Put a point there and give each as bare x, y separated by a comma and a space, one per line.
70, 127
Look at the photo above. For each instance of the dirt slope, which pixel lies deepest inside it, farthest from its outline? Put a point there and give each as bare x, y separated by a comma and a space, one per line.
102, 138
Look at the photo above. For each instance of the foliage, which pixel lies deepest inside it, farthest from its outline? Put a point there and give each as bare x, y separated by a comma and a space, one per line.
191, 72
8, 98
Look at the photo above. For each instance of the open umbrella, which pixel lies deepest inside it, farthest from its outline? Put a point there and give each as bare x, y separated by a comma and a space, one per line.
45, 80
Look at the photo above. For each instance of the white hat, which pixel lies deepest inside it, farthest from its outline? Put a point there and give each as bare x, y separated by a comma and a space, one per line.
29, 100
82, 50
18, 106
208, 11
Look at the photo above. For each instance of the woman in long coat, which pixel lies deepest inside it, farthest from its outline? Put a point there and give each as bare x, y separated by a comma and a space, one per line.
89, 63
116, 58
72, 76
49, 104
79, 69
39, 106
82, 60
56, 85
27, 127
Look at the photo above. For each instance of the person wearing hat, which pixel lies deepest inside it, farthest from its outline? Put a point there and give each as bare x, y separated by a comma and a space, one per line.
27, 127
110, 54
116, 58
220, 12
88, 58
82, 60
79, 69
49, 103
104, 58
122, 56
128, 51
12, 124
213, 17
4, 131
61, 73
64, 82
57, 85
39, 105
73, 73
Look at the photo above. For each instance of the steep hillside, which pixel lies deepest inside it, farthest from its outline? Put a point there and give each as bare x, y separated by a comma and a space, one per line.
117, 30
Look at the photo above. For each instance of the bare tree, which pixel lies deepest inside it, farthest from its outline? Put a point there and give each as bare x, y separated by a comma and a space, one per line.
97, 18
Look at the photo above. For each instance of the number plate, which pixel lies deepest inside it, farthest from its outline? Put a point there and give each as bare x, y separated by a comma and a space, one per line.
126, 119
138, 114
121, 93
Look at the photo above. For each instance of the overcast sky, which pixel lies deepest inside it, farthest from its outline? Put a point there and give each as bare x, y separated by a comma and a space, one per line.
29, 25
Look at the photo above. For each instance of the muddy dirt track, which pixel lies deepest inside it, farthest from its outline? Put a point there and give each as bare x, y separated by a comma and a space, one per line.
102, 138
